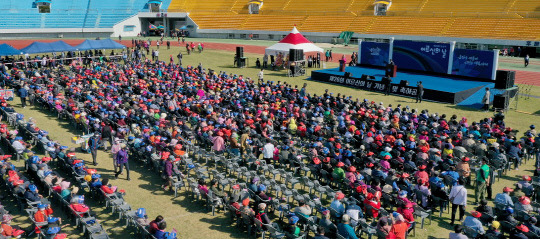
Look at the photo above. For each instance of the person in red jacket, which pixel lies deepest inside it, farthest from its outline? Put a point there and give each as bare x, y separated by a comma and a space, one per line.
77, 204
407, 212
44, 214
154, 224
374, 203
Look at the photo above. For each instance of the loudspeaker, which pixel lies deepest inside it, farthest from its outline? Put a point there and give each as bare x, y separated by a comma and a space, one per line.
296, 54
299, 54
386, 80
239, 51
500, 101
348, 74
292, 54
504, 79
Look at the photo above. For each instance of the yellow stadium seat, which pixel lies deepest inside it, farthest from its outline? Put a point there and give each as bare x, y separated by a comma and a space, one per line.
497, 19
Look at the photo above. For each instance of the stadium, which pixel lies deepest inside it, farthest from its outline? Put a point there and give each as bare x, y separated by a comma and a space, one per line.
269, 119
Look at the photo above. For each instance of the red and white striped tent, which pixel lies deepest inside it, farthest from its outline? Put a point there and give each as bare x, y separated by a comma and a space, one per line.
295, 40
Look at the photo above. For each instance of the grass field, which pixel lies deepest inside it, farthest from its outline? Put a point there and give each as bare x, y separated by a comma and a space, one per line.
190, 218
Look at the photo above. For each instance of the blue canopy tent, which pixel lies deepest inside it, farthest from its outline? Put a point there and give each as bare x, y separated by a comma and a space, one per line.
99, 44
42, 47
7, 50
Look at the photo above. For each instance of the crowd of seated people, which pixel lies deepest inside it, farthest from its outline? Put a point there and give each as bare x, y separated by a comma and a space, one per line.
363, 148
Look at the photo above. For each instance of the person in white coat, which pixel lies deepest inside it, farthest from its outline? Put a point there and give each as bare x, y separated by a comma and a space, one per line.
486, 99
458, 198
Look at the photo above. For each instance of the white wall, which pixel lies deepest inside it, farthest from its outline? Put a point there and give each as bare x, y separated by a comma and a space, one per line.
118, 29
319, 37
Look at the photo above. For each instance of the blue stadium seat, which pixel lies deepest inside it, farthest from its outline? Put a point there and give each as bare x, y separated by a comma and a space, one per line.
16, 14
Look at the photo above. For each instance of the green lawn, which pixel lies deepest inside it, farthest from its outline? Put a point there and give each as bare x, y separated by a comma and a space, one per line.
190, 218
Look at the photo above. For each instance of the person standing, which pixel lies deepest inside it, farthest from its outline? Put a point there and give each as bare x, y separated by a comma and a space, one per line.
388, 86
122, 161
482, 179
265, 60
157, 44
106, 135
115, 148
526, 60
168, 44
268, 152
157, 54
261, 76
458, 198
179, 58
93, 144
327, 55
486, 99
330, 55
318, 60
419, 92
23, 93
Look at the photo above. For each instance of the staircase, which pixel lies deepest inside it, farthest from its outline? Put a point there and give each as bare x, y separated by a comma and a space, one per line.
422, 5
448, 26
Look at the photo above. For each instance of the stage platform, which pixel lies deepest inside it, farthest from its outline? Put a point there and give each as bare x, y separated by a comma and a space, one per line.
446, 89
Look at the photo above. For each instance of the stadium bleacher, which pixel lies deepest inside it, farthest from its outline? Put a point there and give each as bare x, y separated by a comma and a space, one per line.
496, 19
69, 14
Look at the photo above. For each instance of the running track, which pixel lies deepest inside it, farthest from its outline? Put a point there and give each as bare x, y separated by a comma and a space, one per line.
522, 77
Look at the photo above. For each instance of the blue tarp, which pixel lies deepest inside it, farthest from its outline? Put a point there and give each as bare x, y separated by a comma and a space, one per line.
99, 44
42, 47
7, 50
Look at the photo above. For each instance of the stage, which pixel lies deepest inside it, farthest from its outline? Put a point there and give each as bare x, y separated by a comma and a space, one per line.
447, 89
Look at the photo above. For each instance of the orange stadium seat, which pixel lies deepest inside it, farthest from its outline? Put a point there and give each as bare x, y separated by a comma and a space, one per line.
495, 19
226, 21
272, 22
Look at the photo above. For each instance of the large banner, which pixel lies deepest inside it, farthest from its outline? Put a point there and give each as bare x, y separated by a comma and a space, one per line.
475, 63
374, 53
365, 84
422, 56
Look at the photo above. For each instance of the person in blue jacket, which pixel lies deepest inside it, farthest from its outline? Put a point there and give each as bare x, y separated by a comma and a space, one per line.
23, 93
160, 233
93, 144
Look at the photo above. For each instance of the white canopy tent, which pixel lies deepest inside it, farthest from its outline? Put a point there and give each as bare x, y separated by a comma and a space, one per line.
295, 40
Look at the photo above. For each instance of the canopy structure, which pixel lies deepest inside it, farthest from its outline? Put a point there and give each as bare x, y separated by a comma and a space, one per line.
7, 50
295, 40
99, 44
42, 47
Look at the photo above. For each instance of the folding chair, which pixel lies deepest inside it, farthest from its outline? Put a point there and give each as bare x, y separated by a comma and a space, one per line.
423, 214
366, 228
213, 202
470, 232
